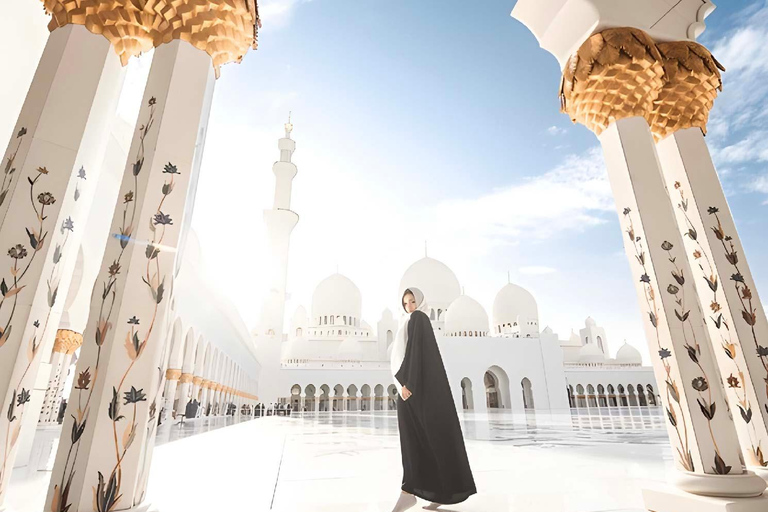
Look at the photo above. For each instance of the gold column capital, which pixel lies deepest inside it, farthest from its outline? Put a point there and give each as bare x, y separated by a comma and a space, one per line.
692, 82
185, 377
615, 74
205, 384
67, 341
172, 374
197, 380
225, 29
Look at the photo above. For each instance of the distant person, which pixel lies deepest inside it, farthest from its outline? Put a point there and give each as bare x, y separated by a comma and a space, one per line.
62, 409
435, 464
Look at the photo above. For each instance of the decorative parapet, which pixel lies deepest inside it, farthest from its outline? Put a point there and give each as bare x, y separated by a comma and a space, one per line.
225, 29
67, 341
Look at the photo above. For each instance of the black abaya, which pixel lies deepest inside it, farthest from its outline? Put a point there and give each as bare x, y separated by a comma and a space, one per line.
435, 464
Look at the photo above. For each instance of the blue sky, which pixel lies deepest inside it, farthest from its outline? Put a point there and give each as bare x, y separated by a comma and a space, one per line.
438, 121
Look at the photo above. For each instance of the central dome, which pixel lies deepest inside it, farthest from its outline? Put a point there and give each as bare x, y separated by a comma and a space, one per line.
435, 279
336, 297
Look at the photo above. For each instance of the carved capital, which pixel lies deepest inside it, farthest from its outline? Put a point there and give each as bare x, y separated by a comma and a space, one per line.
197, 380
615, 74
67, 341
172, 374
205, 384
692, 81
185, 377
225, 29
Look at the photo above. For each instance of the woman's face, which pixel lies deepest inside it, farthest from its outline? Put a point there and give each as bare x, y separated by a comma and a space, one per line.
409, 303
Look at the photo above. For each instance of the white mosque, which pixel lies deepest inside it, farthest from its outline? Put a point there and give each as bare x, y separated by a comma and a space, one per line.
330, 358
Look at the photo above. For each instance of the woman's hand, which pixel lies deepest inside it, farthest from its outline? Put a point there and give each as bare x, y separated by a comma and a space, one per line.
405, 393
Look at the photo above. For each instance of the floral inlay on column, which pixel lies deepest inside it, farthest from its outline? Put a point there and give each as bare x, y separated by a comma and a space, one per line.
9, 169
10, 289
721, 319
676, 417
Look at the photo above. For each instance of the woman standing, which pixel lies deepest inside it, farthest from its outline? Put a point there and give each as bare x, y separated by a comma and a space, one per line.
435, 464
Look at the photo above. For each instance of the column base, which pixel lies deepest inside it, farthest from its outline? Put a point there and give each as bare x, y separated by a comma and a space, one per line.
671, 499
747, 485
760, 471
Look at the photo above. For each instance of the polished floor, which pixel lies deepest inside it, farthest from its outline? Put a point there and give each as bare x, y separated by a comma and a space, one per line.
350, 462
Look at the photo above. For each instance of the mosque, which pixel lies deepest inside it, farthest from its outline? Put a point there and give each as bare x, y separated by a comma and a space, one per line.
331, 359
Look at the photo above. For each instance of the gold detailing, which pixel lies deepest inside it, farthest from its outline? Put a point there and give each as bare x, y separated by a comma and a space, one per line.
692, 83
224, 29
615, 74
67, 341
171, 374
185, 377
622, 72
205, 384
197, 380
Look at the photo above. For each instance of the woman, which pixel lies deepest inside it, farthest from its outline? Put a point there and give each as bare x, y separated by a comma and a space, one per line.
435, 465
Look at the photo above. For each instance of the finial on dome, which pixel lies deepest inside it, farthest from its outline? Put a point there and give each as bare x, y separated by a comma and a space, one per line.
509, 279
288, 126
425, 248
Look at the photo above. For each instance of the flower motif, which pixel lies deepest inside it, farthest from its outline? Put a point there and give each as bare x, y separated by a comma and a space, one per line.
170, 169
42, 170
677, 185
81, 173
762, 351
22, 132
728, 238
712, 210
696, 254
666, 246
128, 197
134, 396
730, 350
737, 277
36, 323
114, 269
152, 101
84, 379
665, 353
715, 306
700, 384
68, 224
17, 252
162, 218
672, 289
733, 382
46, 198
23, 397
645, 278
626, 211
133, 321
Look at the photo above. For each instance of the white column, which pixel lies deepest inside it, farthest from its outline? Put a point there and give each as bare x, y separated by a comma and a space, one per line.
61, 129
106, 460
727, 292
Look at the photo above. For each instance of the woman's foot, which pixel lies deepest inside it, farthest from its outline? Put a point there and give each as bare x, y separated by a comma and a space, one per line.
405, 502
433, 506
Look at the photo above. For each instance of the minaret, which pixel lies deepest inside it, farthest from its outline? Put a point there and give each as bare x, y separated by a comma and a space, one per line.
279, 221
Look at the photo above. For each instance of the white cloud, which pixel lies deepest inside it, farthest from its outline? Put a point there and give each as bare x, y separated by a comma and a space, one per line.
555, 130
276, 14
537, 270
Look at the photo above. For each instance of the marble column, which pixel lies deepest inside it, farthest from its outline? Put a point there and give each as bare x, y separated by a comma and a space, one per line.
60, 135
727, 293
172, 377
105, 460
67, 342
612, 84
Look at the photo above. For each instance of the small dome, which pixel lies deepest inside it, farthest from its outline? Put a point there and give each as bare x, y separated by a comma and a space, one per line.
434, 279
336, 296
465, 314
387, 314
298, 348
590, 322
574, 339
547, 330
628, 354
300, 315
591, 353
365, 325
514, 303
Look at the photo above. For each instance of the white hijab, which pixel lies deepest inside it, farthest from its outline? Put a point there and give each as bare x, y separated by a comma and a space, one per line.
401, 340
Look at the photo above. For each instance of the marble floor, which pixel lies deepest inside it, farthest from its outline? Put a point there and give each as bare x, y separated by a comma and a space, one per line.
573, 461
